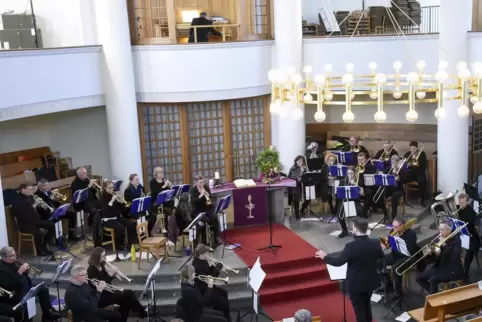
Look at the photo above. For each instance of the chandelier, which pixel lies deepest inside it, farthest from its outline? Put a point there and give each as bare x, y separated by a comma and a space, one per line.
377, 89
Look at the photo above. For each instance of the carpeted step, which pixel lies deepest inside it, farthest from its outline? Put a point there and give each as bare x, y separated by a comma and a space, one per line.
298, 290
309, 273
296, 263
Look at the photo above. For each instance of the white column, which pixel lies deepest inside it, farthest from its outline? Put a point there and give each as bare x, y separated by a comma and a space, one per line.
288, 133
120, 93
3, 219
453, 131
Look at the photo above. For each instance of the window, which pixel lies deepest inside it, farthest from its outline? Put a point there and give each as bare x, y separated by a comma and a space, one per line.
259, 18
150, 19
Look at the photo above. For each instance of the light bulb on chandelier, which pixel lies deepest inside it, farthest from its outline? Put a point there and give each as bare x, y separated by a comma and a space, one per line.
397, 95
348, 117
477, 108
440, 113
320, 116
421, 95
463, 111
308, 98
373, 95
380, 116
411, 116
328, 96
474, 99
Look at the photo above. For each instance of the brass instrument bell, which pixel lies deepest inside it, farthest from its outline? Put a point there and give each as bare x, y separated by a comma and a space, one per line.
355, 148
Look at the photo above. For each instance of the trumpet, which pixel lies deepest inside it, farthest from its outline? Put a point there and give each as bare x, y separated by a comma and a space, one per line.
209, 202
96, 186
120, 276
108, 287
226, 269
58, 196
5, 292
434, 246
407, 225
31, 270
216, 280
42, 203
120, 198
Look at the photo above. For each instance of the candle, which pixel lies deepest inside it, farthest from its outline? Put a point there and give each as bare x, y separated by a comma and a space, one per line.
271, 147
216, 175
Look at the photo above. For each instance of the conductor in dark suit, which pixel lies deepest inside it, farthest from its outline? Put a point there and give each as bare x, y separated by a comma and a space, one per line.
361, 255
202, 34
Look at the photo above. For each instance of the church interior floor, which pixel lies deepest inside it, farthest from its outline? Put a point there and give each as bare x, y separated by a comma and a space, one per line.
313, 231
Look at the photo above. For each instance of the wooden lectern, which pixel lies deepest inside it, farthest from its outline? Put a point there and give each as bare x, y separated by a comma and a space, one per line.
450, 304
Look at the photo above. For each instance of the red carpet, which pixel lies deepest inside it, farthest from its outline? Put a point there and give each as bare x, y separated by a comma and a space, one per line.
295, 278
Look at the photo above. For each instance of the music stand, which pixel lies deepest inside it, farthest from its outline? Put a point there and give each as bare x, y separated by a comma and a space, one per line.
338, 170
472, 192
384, 180
61, 269
399, 245
192, 230
315, 164
78, 197
117, 185
57, 217
151, 284
223, 204
346, 193
256, 277
344, 157
32, 293
140, 205
379, 165
338, 274
308, 180
179, 190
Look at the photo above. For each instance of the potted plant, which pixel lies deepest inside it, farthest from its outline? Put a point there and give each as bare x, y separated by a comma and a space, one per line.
268, 161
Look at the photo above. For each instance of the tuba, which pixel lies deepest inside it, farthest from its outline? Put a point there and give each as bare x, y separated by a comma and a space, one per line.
447, 202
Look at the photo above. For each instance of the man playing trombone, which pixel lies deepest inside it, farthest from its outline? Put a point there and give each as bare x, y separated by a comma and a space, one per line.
91, 205
24, 209
14, 278
102, 271
448, 264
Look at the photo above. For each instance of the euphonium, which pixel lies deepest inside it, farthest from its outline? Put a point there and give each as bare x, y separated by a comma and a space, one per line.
216, 280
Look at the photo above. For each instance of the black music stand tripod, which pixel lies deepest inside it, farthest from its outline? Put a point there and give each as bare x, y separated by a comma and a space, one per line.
308, 180
192, 230
270, 246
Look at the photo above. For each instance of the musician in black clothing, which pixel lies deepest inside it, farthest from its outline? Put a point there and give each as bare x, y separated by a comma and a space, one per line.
24, 210
312, 151
126, 299
15, 279
202, 34
194, 302
180, 219
386, 153
49, 197
356, 149
157, 185
348, 180
83, 301
201, 202
448, 265
219, 298
91, 205
397, 192
136, 190
395, 258
362, 278
327, 188
467, 214
113, 212
417, 165
295, 194
361, 169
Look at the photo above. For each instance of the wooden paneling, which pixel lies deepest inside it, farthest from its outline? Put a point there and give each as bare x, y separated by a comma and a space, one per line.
12, 169
35, 153
477, 15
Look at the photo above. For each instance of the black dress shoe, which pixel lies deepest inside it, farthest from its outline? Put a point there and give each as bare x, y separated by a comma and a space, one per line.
74, 238
41, 253
343, 234
50, 317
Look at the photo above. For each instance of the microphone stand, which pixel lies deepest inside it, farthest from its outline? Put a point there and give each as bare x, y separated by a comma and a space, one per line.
270, 246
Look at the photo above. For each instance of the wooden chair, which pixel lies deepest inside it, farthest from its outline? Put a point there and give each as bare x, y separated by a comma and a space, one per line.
109, 232
411, 186
25, 237
401, 205
149, 243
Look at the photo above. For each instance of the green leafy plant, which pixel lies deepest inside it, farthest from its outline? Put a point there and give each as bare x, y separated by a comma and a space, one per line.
268, 161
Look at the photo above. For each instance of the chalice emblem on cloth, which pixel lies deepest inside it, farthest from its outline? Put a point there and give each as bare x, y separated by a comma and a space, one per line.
250, 206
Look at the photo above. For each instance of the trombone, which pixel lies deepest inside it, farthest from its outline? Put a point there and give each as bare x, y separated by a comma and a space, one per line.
434, 246
120, 276
413, 158
216, 280
226, 269
30, 270
386, 155
381, 190
5, 292
407, 225
108, 287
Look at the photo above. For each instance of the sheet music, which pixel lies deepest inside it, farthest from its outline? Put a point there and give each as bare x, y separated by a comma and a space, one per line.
465, 240
58, 229
402, 246
31, 307
310, 193
66, 265
80, 218
223, 225
369, 179
349, 208
192, 234
337, 273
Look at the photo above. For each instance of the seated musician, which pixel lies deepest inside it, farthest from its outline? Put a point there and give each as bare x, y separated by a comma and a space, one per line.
467, 214
395, 258
296, 194
126, 299
91, 205
157, 185
356, 148
202, 266
448, 265
113, 209
327, 189
312, 151
14, 278
24, 207
366, 167
348, 180
180, 219
83, 301
52, 199
136, 190
194, 303
201, 202
397, 192
417, 165
386, 153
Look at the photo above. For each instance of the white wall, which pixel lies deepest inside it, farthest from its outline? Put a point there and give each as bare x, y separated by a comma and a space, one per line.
167, 73
60, 21
49, 80
80, 134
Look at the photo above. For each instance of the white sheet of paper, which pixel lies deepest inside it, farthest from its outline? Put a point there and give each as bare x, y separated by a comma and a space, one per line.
369, 179
58, 229
31, 307
402, 246
221, 223
465, 241
255, 302
67, 265
404, 317
310, 193
6, 45
191, 234
337, 273
289, 320
141, 219
349, 208
475, 205
110, 258
80, 219
256, 276
375, 298
335, 233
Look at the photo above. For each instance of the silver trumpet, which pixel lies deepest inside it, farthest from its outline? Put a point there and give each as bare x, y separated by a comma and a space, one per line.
108, 287
226, 269
216, 280
5, 292
120, 276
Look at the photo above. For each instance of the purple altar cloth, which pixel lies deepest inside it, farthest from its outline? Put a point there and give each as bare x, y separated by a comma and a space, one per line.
229, 186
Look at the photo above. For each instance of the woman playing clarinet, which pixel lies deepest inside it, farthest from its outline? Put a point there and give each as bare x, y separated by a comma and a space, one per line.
349, 180
295, 194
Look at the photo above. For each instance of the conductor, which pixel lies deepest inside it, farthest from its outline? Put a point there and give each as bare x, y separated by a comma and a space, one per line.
362, 279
